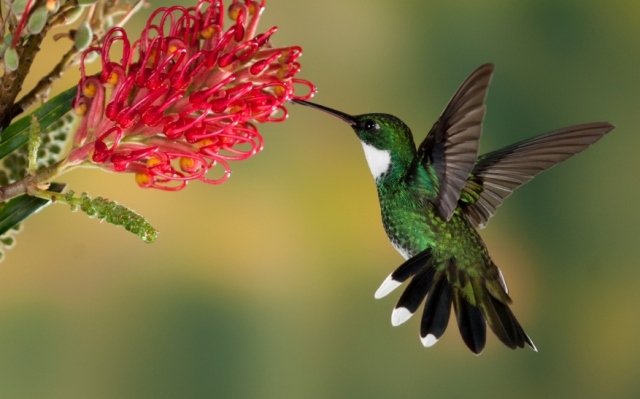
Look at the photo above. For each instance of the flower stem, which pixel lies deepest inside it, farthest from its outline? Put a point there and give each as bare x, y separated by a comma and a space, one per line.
31, 184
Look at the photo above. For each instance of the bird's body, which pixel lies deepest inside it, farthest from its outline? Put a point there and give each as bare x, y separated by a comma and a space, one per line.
412, 223
432, 199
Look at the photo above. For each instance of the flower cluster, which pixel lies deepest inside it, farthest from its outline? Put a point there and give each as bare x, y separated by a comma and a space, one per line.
191, 98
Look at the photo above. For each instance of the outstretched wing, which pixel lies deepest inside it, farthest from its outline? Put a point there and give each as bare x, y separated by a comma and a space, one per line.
498, 173
451, 147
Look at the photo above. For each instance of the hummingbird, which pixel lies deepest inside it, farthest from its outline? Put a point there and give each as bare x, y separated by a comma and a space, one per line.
434, 198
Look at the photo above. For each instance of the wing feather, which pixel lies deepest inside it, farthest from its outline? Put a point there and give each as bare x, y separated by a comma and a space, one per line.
498, 173
451, 147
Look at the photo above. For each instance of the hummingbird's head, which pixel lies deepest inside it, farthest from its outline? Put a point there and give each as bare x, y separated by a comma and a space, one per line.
385, 138
382, 131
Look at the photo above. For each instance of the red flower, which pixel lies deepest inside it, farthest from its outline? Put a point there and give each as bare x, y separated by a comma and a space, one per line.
190, 99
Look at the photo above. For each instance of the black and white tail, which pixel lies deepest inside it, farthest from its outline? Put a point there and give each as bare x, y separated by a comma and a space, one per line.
476, 301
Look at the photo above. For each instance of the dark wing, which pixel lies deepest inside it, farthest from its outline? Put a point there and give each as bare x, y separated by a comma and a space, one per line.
451, 147
498, 173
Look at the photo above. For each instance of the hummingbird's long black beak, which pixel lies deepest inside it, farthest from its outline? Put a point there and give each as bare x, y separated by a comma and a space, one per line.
345, 117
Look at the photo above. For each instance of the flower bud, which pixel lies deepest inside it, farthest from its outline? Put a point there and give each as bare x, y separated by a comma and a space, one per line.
83, 36
37, 20
72, 15
18, 6
11, 59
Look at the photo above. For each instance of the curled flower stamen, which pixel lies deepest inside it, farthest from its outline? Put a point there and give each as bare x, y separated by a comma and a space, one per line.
111, 37
309, 85
122, 160
102, 151
181, 102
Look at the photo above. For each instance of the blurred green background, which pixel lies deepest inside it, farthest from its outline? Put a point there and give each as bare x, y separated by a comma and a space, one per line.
263, 287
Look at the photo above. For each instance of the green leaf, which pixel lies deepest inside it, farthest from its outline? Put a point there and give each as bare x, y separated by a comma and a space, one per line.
18, 133
18, 209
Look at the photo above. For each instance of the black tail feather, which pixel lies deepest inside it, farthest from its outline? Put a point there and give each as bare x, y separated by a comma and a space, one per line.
416, 290
502, 322
477, 300
471, 323
436, 312
412, 266
506, 327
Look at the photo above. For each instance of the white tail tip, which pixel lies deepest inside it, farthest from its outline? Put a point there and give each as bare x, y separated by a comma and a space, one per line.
387, 286
429, 340
400, 315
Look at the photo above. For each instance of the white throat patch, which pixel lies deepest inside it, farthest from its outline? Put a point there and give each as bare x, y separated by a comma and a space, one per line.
378, 160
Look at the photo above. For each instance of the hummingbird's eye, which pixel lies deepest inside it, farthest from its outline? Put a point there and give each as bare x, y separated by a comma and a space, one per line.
370, 125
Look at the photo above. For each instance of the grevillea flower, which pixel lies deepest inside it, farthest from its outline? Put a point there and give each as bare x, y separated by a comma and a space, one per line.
191, 98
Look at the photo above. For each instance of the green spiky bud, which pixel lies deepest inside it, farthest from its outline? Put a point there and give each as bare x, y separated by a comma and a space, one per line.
37, 20
112, 213
83, 36
11, 59
8, 39
69, 198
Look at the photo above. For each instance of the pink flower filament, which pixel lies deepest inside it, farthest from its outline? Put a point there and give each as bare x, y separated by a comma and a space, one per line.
191, 100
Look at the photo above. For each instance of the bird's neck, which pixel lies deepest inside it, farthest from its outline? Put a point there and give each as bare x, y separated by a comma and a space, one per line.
387, 166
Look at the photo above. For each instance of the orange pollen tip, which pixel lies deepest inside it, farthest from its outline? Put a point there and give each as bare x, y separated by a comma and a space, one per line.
234, 11
51, 5
113, 79
207, 33
190, 164
282, 72
151, 59
143, 179
283, 57
81, 109
89, 89
235, 109
153, 161
172, 49
253, 8
205, 142
279, 90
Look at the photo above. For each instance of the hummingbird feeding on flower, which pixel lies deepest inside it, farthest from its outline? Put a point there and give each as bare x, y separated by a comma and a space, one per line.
433, 199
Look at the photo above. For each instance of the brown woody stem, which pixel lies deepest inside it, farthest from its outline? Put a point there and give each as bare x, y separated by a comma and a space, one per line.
30, 183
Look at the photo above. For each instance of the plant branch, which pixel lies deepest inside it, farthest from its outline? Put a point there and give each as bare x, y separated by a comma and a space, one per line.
30, 183
44, 84
11, 82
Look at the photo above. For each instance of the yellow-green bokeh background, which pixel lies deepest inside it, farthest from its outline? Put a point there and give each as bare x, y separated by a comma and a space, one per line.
263, 287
